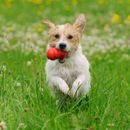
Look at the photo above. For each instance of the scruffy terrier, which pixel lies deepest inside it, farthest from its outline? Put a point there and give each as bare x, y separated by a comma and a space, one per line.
70, 75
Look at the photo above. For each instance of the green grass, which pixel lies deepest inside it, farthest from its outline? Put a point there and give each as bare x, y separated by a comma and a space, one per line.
26, 102
32, 104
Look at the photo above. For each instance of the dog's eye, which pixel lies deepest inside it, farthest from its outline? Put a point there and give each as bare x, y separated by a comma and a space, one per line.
69, 36
57, 36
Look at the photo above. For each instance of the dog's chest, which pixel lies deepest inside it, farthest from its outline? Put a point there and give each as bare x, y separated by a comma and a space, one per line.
68, 71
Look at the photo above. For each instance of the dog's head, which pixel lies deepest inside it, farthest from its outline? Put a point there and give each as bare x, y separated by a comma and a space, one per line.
67, 36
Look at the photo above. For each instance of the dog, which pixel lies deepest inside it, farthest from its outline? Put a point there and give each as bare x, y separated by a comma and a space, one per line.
71, 75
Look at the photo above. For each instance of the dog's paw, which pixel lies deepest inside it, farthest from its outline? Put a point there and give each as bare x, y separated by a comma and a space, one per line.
65, 89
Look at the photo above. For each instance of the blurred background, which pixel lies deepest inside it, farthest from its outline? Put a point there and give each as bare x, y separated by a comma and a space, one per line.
20, 20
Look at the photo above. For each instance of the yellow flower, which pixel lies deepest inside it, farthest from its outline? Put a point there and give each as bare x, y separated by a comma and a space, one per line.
39, 28
127, 20
36, 1
107, 28
10, 28
33, 29
8, 3
74, 2
101, 2
120, 1
116, 19
49, 1
128, 17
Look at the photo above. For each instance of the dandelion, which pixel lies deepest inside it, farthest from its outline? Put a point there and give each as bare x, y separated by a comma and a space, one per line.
128, 17
40, 28
74, 2
49, 1
120, 1
8, 3
2, 125
116, 19
101, 2
127, 20
10, 28
36, 1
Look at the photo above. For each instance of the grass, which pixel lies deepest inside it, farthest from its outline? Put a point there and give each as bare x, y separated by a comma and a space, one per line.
31, 103
26, 102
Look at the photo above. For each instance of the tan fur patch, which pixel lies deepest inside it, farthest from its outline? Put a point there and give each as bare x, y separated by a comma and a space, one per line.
66, 30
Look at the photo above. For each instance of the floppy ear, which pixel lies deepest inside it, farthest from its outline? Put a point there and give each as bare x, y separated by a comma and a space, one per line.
48, 23
80, 22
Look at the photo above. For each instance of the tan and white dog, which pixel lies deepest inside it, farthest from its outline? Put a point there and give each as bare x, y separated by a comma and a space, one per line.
70, 75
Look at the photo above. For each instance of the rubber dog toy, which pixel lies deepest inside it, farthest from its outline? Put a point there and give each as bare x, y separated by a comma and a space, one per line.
54, 53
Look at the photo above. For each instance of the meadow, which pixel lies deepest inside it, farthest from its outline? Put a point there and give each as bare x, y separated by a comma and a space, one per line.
26, 102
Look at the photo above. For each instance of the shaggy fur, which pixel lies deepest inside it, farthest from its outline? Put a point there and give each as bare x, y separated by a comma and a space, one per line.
71, 77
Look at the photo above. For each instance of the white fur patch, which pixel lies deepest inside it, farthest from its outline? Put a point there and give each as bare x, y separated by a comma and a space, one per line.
61, 28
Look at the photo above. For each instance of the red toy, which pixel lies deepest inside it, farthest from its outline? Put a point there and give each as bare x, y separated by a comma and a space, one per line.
54, 53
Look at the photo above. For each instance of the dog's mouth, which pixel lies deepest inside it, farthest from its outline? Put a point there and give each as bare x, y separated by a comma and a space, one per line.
62, 60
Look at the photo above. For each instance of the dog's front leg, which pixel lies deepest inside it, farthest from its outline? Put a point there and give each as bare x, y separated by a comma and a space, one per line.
80, 86
60, 83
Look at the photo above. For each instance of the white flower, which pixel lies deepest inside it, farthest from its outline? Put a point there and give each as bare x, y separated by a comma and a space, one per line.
31, 41
29, 63
4, 68
18, 84
21, 126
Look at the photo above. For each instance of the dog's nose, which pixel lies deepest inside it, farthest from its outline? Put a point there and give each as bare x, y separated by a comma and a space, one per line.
62, 46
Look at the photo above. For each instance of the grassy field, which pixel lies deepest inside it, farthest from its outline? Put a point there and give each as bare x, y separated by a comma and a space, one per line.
25, 101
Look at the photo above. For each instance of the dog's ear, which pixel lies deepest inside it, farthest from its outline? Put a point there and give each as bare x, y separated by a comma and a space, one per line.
48, 23
80, 23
